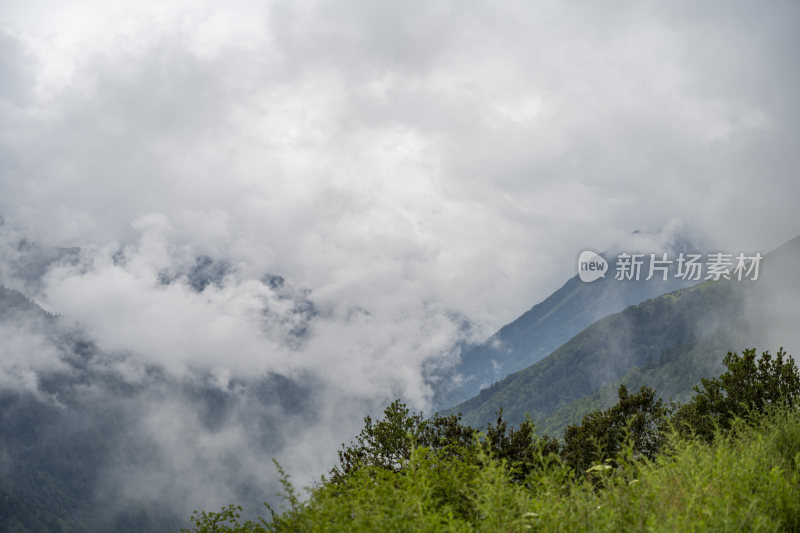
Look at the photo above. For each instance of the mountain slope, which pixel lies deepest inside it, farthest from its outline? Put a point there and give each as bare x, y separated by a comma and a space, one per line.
668, 342
79, 448
548, 325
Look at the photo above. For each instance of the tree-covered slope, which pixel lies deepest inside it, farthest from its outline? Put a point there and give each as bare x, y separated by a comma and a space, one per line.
668, 343
548, 325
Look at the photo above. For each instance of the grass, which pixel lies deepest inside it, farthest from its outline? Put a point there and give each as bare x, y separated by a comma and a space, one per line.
747, 480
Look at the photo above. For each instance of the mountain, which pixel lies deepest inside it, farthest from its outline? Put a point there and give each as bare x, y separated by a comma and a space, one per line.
549, 324
668, 343
78, 450
83, 445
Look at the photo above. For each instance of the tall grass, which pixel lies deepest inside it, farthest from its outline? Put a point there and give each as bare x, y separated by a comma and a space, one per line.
747, 480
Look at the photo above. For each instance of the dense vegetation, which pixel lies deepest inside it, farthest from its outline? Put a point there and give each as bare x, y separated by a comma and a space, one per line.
727, 460
667, 343
546, 326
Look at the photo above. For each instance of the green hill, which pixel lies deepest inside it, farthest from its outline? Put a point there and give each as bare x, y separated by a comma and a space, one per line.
546, 326
668, 343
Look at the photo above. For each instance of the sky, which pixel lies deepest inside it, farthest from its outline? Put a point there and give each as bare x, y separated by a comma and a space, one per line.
424, 172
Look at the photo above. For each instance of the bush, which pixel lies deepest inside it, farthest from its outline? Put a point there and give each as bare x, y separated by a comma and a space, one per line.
407, 473
748, 388
388, 443
636, 418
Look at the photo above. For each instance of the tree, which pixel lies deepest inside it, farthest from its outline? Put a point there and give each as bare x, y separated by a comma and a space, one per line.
637, 418
521, 448
388, 443
227, 520
750, 386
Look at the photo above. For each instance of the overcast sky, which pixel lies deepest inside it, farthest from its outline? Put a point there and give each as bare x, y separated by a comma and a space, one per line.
410, 163
462, 153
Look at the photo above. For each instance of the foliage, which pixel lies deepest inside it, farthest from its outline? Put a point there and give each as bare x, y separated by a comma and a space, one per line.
227, 520
407, 473
388, 443
521, 449
639, 418
743, 481
749, 387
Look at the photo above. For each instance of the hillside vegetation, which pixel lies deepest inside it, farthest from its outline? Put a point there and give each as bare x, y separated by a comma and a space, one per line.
664, 342
546, 326
727, 460
667, 343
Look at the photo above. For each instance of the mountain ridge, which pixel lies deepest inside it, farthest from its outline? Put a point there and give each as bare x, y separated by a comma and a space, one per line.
547, 325
671, 341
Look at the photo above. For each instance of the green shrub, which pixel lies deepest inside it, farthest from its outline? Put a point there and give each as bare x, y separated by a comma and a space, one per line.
749, 387
406, 473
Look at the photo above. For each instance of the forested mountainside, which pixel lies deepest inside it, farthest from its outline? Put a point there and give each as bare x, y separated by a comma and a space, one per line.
668, 342
548, 325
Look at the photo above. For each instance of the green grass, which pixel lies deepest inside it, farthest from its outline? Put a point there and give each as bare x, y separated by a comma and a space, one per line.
747, 480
